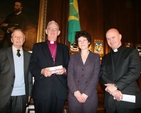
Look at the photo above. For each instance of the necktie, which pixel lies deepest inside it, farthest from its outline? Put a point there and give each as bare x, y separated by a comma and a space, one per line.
18, 53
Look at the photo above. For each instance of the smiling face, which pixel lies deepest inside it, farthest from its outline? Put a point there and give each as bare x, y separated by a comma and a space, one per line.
17, 38
83, 43
113, 38
52, 31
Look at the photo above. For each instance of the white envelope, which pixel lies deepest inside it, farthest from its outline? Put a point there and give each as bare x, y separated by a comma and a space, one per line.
55, 68
129, 98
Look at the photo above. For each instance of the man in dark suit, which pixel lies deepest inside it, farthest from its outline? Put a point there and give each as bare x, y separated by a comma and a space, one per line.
16, 20
119, 72
15, 78
50, 86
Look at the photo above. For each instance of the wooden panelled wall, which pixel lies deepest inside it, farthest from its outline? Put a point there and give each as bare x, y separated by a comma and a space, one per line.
96, 17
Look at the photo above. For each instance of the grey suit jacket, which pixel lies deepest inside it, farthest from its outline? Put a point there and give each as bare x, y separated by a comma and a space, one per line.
124, 73
7, 75
83, 77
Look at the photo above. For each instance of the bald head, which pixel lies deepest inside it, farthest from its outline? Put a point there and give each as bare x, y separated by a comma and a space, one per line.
112, 30
113, 38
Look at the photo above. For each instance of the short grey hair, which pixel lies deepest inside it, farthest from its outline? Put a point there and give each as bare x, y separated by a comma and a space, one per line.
52, 21
18, 30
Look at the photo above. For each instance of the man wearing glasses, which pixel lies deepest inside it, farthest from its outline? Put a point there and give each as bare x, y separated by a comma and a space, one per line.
48, 65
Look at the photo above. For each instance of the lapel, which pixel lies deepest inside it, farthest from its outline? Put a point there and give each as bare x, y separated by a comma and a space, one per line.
10, 58
46, 51
25, 56
88, 60
59, 53
58, 50
79, 59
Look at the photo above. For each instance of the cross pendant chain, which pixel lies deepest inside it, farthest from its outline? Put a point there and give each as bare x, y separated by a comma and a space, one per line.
54, 54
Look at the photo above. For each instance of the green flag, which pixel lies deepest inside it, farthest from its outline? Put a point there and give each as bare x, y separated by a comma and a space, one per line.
73, 21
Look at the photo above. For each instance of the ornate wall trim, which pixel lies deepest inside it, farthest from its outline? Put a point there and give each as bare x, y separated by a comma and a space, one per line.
42, 21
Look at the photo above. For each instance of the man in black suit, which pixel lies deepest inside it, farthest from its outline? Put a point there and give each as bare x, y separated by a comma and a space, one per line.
16, 20
50, 86
119, 72
15, 78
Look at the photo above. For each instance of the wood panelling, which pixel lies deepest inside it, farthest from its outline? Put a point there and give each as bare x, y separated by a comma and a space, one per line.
58, 11
97, 16
123, 15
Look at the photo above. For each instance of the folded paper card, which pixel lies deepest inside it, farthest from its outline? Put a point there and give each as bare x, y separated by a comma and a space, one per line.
54, 69
129, 98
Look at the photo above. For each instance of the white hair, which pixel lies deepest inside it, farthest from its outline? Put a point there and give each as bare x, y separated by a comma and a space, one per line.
18, 30
52, 21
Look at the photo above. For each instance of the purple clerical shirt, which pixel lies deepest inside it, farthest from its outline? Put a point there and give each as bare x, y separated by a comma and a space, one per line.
53, 47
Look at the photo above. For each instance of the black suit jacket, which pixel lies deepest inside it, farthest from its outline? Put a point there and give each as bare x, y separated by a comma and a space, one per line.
124, 73
18, 21
7, 75
41, 58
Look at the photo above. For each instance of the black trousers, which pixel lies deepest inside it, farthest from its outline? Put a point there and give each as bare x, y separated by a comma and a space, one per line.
51, 105
16, 104
118, 109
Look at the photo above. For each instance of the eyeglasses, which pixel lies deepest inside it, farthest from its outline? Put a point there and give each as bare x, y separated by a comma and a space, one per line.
52, 29
20, 37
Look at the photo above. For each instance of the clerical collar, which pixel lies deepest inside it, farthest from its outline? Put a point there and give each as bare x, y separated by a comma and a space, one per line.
115, 50
51, 42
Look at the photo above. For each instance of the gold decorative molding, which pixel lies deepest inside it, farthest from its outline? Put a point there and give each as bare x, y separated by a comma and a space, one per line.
42, 21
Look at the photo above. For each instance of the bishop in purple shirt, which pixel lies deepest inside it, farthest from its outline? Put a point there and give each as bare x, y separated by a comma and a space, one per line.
50, 88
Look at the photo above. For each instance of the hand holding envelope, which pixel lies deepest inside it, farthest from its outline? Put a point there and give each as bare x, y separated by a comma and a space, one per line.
128, 98
56, 69
113, 90
59, 70
46, 72
117, 94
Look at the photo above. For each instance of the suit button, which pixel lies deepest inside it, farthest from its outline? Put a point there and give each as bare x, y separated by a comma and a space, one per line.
82, 75
86, 81
78, 81
82, 69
